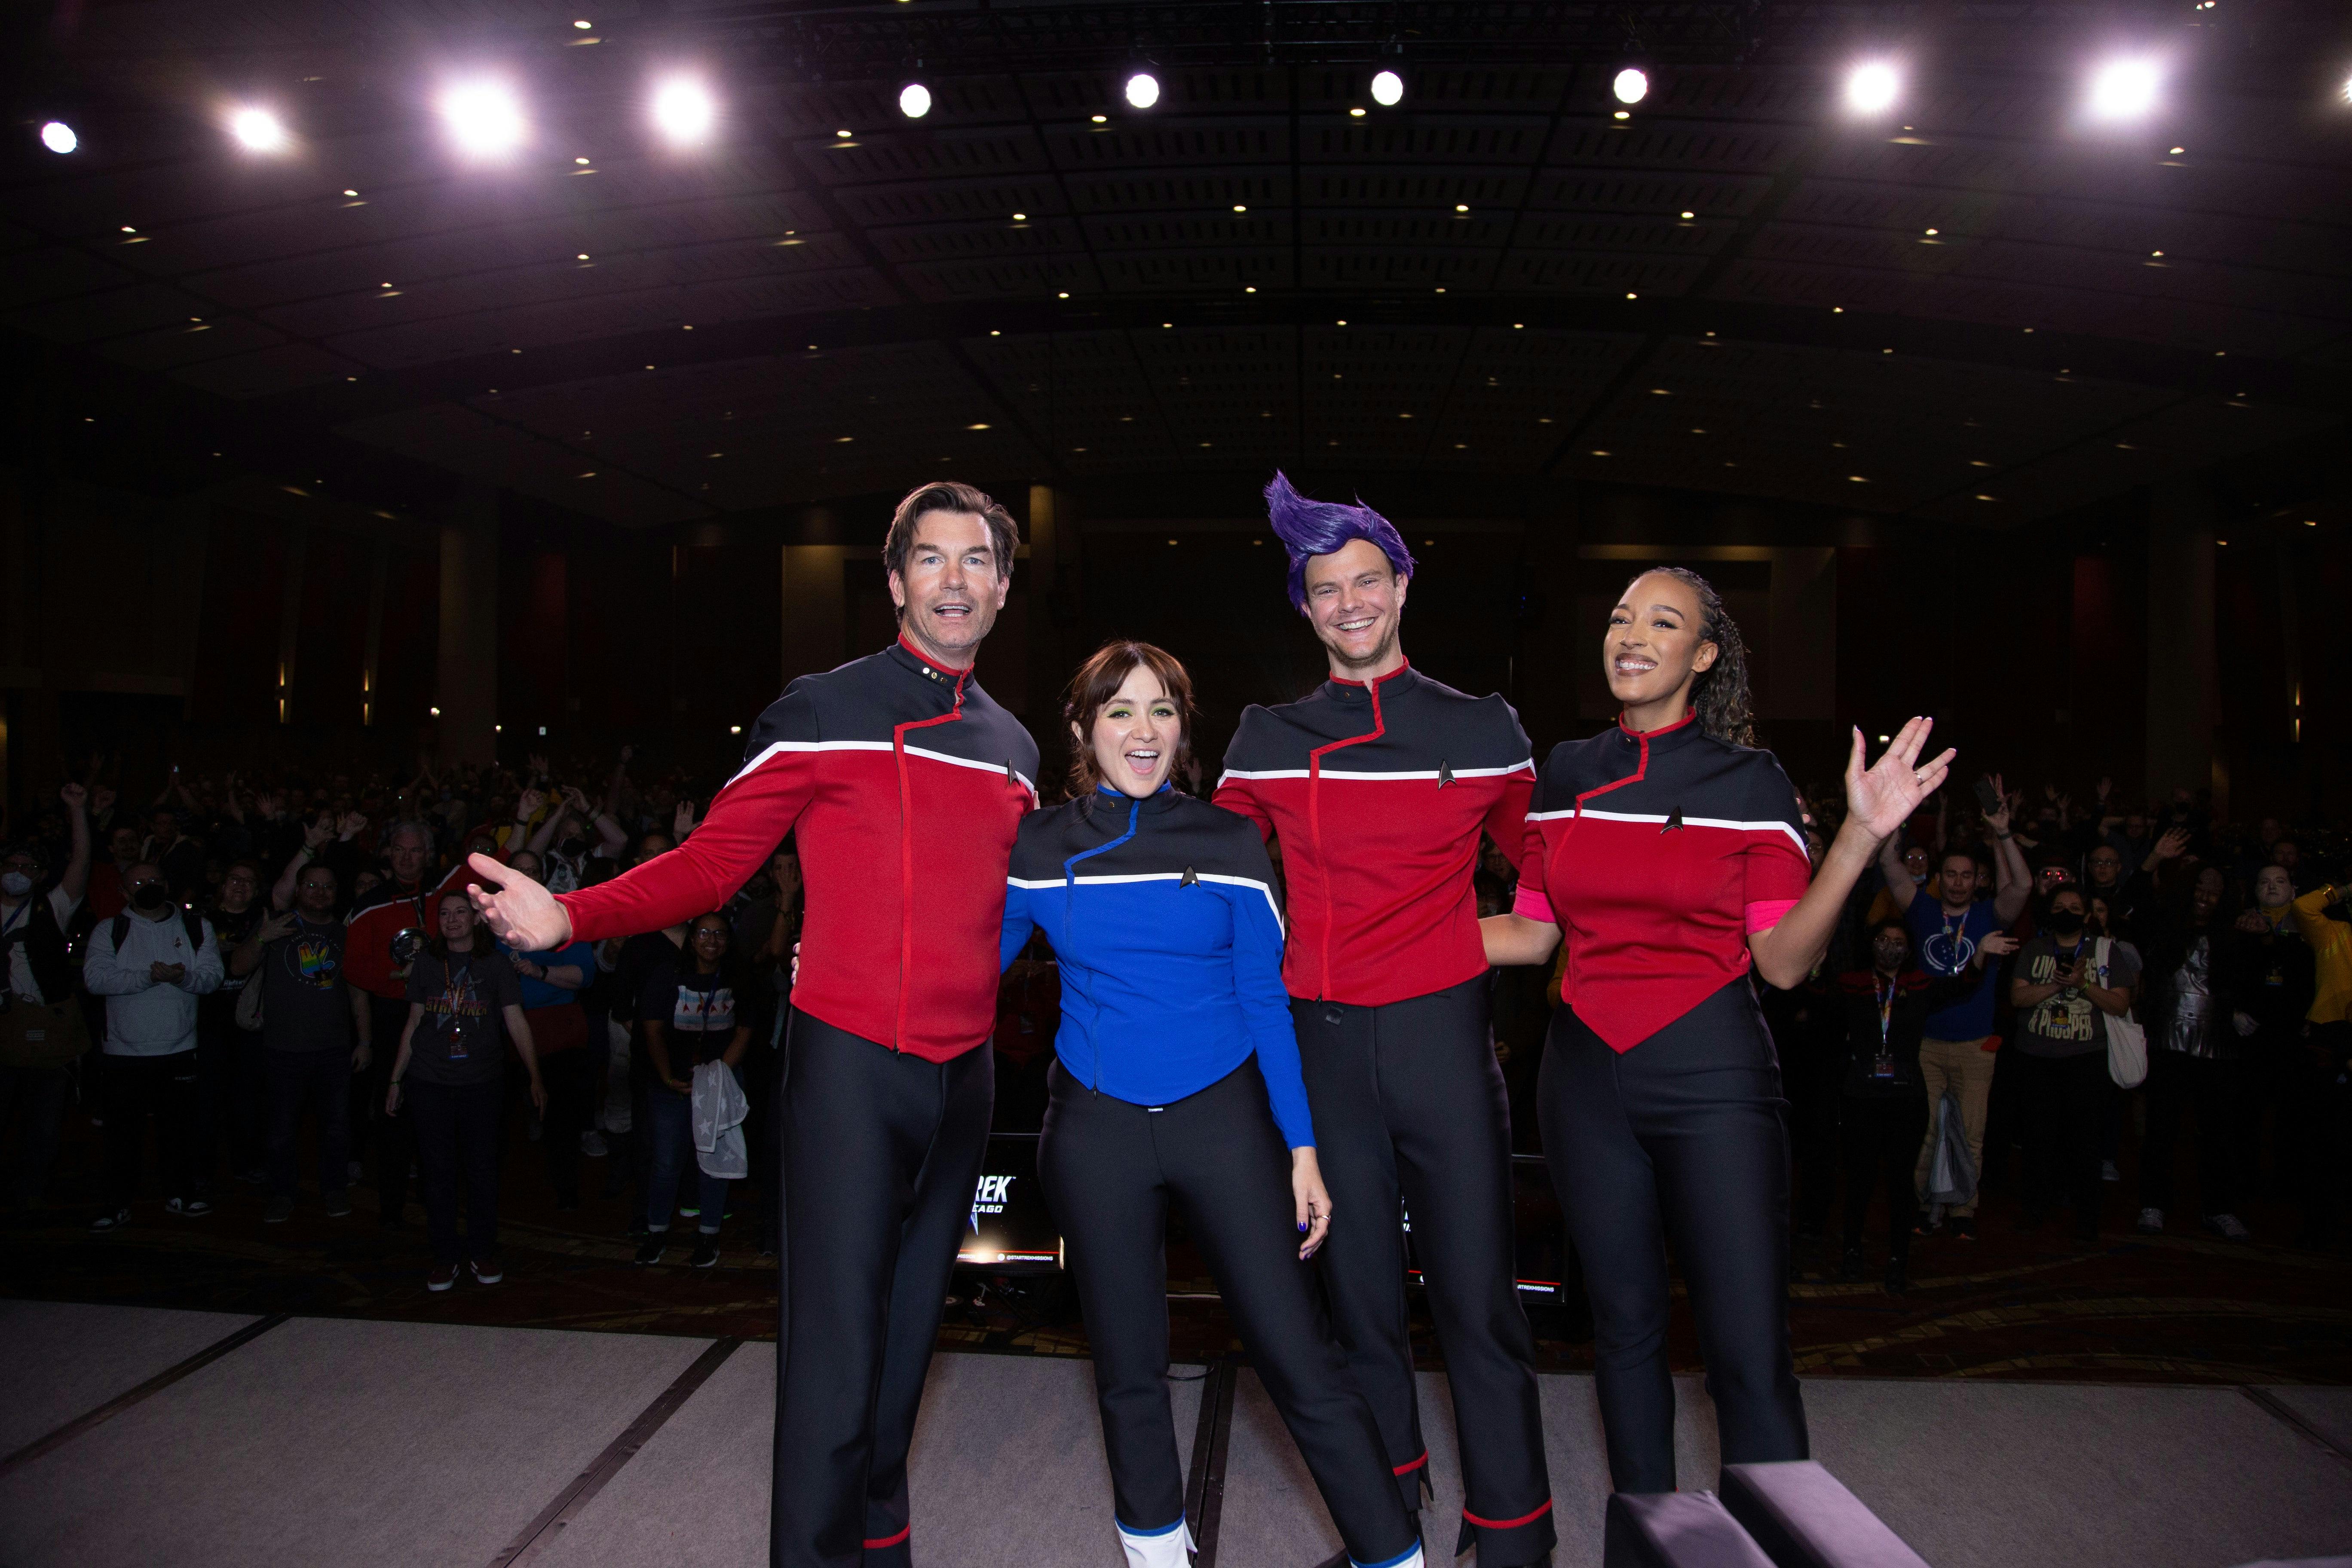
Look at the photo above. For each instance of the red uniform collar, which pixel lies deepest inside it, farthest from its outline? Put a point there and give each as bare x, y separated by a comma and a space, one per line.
1632, 734
931, 665
1376, 680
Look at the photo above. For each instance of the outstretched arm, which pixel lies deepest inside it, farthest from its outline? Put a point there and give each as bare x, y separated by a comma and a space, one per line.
2012, 881
1878, 801
76, 881
1899, 886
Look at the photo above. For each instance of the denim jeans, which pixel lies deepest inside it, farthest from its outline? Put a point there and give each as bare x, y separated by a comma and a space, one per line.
671, 1131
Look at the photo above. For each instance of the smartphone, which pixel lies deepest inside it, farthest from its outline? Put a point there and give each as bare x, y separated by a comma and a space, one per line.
1986, 797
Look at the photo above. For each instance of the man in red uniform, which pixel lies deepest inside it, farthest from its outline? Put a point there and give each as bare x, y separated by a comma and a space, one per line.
1379, 784
906, 785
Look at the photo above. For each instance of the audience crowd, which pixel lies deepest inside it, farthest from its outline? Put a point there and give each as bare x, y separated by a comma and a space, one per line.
237, 965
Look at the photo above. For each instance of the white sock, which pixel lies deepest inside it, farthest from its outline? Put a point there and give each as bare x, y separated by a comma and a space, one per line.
1168, 1549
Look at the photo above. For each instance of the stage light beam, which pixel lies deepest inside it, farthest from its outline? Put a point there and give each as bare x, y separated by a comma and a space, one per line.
1388, 90
684, 110
1142, 89
2126, 88
485, 118
914, 100
258, 130
58, 137
1873, 88
1631, 85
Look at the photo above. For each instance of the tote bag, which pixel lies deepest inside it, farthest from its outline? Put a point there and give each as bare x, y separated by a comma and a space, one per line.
2126, 1041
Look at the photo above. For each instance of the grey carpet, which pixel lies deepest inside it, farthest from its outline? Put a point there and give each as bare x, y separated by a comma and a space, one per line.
64, 1360
1007, 1468
2328, 1410
326, 1441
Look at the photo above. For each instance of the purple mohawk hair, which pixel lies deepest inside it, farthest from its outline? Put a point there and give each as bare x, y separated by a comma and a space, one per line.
1318, 527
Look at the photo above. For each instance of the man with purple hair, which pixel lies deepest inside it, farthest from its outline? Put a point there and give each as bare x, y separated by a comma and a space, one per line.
1379, 783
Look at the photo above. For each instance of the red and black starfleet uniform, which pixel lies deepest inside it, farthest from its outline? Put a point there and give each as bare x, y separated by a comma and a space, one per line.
1660, 1094
907, 784
1379, 792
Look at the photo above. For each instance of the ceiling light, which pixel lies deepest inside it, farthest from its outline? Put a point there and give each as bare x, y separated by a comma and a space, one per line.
1690, 215
684, 110
1388, 90
843, 134
1142, 89
1461, 207
583, 256
257, 131
1872, 89
1931, 232
1352, 114
580, 160
1063, 295
1239, 207
2126, 88
1099, 119
975, 426
1631, 85
1622, 114
1020, 217
581, 26
914, 100
2177, 152
484, 119
58, 137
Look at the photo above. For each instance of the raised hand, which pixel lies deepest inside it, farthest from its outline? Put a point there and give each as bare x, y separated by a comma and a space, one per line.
578, 801
1998, 944
2171, 845
521, 912
682, 821
350, 825
75, 797
277, 925
1999, 820
316, 834
528, 802
1882, 798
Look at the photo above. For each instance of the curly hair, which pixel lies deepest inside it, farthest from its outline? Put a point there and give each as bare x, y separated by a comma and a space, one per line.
1719, 694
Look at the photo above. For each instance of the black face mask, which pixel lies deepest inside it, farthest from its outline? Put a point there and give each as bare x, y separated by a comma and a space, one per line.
570, 849
2064, 922
149, 896
1890, 956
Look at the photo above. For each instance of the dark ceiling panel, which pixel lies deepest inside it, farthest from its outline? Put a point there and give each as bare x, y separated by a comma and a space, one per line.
268, 373
191, 342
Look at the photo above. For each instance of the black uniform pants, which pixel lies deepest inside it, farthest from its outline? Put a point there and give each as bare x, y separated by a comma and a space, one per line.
881, 1153
1679, 1141
1109, 1169
1880, 1136
1411, 1115
322, 1080
393, 1138
457, 1129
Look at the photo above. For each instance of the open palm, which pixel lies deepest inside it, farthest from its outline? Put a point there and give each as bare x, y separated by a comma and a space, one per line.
521, 912
1883, 798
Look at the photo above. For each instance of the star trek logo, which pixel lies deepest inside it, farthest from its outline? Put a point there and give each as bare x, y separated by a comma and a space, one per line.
1445, 773
1673, 820
990, 1197
1190, 878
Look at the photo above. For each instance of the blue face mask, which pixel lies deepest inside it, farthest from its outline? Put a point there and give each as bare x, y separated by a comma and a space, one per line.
16, 884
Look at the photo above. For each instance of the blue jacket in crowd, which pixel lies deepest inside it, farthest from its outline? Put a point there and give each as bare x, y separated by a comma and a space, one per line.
1163, 919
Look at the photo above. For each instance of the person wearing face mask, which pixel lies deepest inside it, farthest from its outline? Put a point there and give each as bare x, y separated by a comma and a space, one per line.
463, 993
551, 983
41, 1030
1668, 855
1881, 1012
2067, 983
151, 963
1177, 1080
2196, 986
1378, 786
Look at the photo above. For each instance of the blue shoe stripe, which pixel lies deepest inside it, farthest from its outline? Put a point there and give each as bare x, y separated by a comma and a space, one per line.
1404, 1556
1127, 1529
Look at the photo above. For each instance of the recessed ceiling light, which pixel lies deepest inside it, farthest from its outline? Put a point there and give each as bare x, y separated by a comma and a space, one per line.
1100, 118
1239, 209
1599, 453
981, 426
1249, 288
1931, 231
1461, 207
1063, 295
350, 193
1020, 217
575, 160
1690, 215
1352, 114
583, 26
1622, 114
584, 256
1856, 479
1631, 295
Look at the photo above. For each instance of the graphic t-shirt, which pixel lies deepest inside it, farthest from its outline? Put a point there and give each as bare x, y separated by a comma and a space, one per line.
461, 1039
697, 1011
2070, 1024
538, 992
1946, 944
303, 1004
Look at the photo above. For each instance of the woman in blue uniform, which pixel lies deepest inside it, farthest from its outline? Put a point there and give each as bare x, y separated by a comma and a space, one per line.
1670, 851
1177, 1078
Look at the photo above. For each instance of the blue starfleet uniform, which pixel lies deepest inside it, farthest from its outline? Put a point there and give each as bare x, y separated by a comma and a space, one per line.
1177, 1077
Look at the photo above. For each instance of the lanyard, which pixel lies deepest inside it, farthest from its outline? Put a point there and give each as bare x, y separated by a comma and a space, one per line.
24, 912
1885, 1008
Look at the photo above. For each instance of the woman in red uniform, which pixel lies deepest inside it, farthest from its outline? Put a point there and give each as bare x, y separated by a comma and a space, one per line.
1671, 852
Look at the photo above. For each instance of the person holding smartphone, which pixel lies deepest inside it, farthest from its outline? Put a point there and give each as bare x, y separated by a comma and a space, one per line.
2068, 984
1956, 1054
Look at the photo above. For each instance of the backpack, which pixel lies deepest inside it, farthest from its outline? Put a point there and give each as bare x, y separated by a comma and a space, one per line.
193, 921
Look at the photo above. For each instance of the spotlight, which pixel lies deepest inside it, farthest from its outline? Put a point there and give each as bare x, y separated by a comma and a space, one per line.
1388, 90
684, 110
1142, 89
257, 131
2125, 90
1631, 85
914, 100
1872, 89
484, 119
58, 137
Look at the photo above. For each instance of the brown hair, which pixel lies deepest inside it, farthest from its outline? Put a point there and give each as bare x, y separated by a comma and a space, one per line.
947, 495
1098, 682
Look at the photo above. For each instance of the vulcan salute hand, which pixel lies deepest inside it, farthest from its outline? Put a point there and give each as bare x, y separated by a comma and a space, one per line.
522, 913
1883, 798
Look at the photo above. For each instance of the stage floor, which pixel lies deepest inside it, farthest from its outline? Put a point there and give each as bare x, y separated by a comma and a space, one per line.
145, 1436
